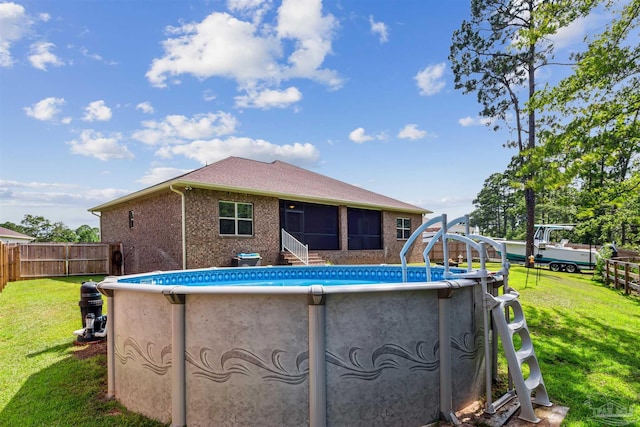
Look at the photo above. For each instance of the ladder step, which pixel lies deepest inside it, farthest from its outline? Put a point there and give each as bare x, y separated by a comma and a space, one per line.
506, 298
517, 326
508, 325
534, 380
524, 354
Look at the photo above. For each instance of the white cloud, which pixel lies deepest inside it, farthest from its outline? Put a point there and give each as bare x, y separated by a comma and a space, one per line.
62, 201
177, 129
44, 17
430, 80
313, 32
256, 149
475, 121
95, 144
41, 56
239, 5
220, 45
14, 25
254, 54
145, 107
412, 132
576, 31
255, 9
161, 174
97, 110
208, 95
85, 52
46, 109
359, 136
269, 98
33, 184
379, 28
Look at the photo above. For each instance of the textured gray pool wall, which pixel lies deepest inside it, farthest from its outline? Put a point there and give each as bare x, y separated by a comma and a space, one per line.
141, 329
247, 360
384, 363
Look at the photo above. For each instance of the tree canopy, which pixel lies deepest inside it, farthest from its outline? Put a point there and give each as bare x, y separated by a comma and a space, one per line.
593, 140
586, 167
45, 231
496, 55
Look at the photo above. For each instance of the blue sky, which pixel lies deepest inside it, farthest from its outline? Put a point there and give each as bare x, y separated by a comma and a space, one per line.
102, 98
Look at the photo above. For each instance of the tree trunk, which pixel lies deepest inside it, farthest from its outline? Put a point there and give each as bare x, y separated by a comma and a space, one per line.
530, 202
529, 194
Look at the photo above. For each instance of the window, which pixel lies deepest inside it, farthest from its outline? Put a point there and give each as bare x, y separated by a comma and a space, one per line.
130, 219
403, 228
236, 219
364, 229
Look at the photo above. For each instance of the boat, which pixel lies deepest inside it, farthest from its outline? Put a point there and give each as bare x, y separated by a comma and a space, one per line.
559, 256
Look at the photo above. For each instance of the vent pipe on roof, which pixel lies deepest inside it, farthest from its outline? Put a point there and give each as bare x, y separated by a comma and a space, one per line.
184, 227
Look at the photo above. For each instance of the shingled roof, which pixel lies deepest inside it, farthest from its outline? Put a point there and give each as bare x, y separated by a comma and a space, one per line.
8, 233
275, 179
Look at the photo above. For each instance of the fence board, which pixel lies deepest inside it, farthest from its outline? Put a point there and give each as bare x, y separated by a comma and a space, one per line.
4, 266
63, 259
9, 269
456, 248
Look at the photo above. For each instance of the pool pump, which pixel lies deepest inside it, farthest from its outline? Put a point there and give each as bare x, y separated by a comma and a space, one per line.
94, 324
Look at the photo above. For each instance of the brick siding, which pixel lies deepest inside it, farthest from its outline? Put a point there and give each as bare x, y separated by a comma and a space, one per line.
155, 241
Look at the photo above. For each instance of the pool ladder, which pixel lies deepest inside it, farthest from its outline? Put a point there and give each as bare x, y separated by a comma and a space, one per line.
498, 308
507, 327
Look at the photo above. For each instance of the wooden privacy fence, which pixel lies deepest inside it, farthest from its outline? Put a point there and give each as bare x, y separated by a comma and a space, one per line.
624, 272
456, 248
32, 260
63, 259
6, 266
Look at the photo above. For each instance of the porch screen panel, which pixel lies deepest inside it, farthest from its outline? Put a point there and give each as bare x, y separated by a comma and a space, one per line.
321, 227
365, 229
313, 224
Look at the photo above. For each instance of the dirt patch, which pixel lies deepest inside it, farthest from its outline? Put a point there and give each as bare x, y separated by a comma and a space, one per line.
86, 350
474, 415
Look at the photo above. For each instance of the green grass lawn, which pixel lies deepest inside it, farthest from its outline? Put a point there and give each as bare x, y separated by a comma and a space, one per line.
45, 380
585, 336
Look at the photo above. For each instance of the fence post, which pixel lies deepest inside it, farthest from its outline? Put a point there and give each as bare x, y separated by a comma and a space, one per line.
615, 275
606, 272
4, 266
626, 278
15, 272
66, 259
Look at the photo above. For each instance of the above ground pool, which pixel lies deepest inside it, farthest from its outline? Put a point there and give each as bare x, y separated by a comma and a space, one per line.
294, 346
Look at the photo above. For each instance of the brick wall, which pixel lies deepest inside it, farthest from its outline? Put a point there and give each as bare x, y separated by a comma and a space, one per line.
154, 242
207, 248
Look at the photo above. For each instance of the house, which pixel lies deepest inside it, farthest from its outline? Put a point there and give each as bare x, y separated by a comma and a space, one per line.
206, 217
10, 236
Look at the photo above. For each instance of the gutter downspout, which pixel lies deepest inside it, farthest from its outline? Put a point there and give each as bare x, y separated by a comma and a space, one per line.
184, 227
99, 216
